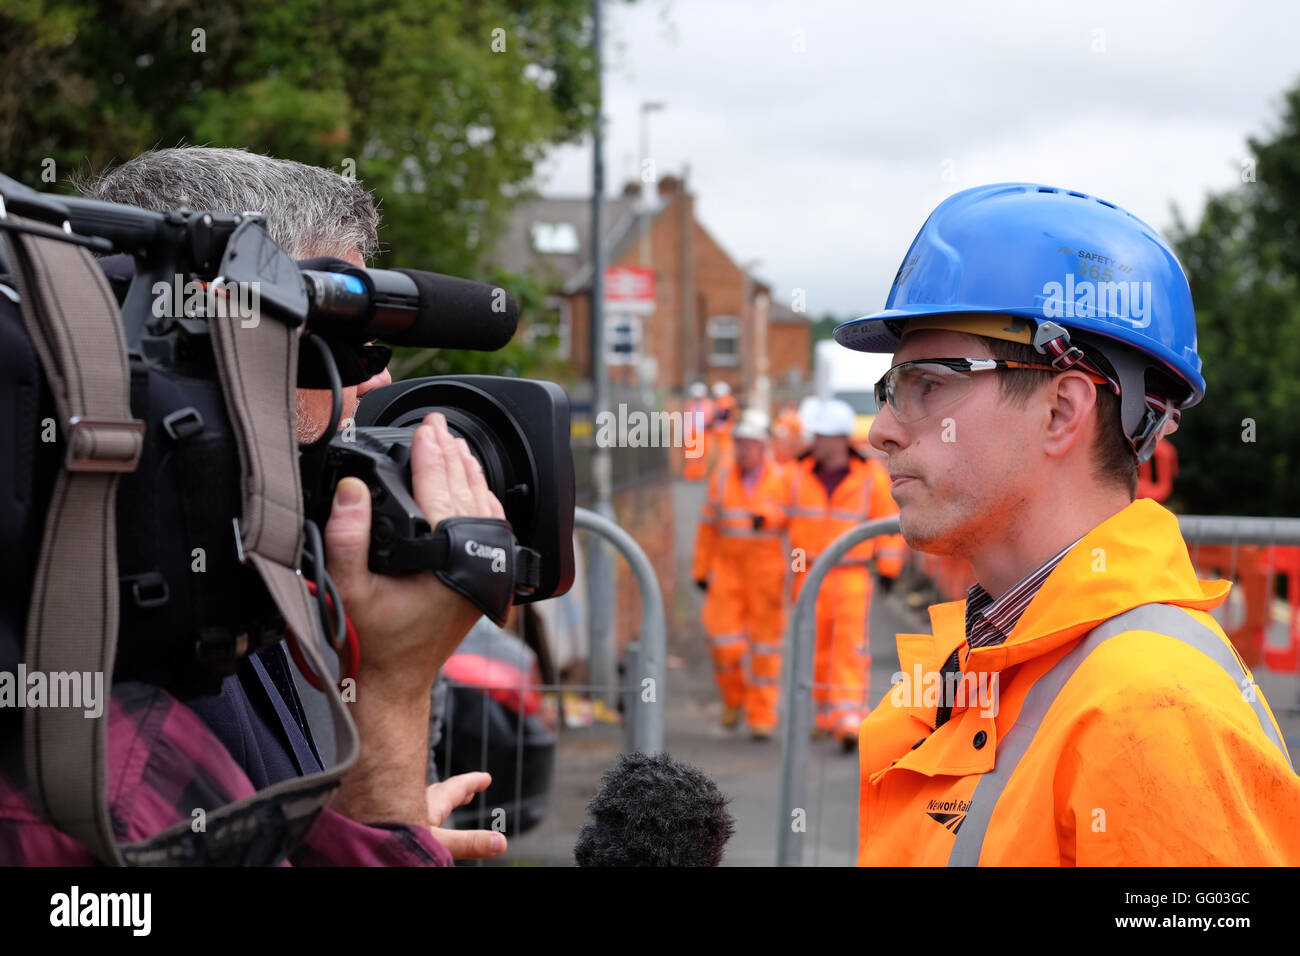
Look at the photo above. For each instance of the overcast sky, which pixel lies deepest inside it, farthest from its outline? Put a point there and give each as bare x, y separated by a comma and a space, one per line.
823, 162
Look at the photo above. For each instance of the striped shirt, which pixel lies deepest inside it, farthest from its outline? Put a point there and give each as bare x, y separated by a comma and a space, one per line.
991, 622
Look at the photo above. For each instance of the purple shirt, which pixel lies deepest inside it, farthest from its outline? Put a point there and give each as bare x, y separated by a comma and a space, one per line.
163, 762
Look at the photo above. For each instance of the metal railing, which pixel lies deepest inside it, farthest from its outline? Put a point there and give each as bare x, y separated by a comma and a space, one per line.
796, 692
508, 733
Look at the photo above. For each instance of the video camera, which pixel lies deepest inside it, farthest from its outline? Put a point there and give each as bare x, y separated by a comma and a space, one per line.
191, 602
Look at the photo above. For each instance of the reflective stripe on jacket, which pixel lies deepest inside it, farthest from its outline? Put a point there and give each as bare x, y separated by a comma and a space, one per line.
1145, 744
727, 517
817, 519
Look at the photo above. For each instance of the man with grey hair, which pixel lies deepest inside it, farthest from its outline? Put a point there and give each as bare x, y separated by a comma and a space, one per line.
310, 212
259, 716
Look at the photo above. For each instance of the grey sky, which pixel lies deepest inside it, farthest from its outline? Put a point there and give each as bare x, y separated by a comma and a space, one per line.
824, 163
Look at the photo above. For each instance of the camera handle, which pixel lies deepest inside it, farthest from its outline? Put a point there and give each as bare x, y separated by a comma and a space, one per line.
478, 558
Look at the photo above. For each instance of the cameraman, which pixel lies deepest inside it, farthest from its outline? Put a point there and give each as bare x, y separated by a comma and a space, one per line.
164, 762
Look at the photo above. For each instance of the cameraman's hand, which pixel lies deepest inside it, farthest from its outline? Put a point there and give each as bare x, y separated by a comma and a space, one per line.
406, 627
446, 796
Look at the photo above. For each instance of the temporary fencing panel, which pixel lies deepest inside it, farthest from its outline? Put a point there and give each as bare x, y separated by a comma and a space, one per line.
500, 717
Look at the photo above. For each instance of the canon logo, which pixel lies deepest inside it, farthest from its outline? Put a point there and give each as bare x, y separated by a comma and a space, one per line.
497, 555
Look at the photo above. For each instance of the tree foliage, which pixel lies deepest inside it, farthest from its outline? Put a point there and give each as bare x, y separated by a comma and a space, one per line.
442, 107
1239, 450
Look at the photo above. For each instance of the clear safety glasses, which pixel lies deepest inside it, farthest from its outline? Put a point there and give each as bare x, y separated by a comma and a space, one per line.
916, 390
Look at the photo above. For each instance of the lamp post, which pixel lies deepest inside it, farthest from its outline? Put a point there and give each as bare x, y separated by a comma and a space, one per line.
648, 178
600, 564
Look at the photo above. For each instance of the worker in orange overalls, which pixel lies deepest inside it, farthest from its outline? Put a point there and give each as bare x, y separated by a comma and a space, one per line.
787, 435
698, 418
725, 411
740, 561
830, 490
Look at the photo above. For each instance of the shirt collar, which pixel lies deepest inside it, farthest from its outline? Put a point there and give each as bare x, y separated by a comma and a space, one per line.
991, 622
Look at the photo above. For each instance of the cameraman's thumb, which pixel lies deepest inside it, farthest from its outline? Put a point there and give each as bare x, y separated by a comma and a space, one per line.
347, 533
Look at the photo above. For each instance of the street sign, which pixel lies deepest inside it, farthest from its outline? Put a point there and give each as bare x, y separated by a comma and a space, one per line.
630, 289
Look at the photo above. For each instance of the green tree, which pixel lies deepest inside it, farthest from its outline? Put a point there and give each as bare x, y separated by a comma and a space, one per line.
823, 327
442, 107
1239, 450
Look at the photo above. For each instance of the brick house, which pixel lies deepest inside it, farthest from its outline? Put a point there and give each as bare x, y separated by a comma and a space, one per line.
711, 319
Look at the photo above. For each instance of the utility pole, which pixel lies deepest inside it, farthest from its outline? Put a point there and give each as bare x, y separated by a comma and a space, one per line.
649, 194
600, 570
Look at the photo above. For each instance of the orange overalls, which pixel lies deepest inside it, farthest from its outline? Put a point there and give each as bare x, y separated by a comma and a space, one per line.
843, 661
722, 427
745, 568
699, 413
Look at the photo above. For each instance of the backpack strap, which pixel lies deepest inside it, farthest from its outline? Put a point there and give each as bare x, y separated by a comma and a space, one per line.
72, 320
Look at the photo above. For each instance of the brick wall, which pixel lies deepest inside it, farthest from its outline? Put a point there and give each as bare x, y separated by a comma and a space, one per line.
646, 513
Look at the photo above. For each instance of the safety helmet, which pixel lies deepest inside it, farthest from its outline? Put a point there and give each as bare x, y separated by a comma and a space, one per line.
699, 390
831, 417
720, 389
753, 424
1072, 270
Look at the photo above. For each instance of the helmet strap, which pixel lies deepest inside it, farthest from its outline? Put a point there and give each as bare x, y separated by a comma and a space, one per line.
1143, 414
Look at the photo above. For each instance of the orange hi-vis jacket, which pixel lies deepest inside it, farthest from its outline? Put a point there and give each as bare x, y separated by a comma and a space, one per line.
816, 519
726, 530
1122, 729
746, 569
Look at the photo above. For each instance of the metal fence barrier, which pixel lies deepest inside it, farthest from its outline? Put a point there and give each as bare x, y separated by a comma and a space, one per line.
1251, 551
796, 692
641, 691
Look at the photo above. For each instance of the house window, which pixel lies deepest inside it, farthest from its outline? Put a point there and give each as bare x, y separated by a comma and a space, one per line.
622, 339
554, 238
724, 340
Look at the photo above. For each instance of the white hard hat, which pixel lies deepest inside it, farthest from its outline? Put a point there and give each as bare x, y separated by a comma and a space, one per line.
720, 389
753, 424
699, 390
831, 417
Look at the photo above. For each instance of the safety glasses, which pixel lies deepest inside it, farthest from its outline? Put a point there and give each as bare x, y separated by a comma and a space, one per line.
916, 390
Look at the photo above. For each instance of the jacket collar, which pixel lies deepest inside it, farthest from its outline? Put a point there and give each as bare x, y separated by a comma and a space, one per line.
1135, 557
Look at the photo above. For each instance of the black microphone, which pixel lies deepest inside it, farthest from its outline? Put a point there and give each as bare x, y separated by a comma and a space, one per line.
409, 307
655, 811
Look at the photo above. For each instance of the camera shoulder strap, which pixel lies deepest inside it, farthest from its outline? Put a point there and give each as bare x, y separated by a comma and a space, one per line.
72, 320
74, 324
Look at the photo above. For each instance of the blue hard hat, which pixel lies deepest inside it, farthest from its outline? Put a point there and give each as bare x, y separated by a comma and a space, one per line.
1049, 255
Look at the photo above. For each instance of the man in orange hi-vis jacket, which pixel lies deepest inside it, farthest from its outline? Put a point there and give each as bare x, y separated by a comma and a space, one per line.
699, 419
830, 490
787, 436
725, 412
740, 561
1081, 707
